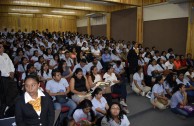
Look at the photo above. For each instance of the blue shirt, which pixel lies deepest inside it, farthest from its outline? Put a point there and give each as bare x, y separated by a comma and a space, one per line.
84, 69
106, 58
177, 97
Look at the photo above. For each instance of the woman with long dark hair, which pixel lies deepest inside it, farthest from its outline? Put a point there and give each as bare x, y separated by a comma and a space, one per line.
83, 114
45, 73
179, 100
55, 61
64, 69
115, 117
79, 86
169, 84
158, 98
117, 86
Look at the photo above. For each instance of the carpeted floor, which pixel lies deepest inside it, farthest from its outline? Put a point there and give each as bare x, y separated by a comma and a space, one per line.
142, 113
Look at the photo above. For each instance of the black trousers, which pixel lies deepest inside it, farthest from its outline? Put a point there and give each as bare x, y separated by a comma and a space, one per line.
8, 93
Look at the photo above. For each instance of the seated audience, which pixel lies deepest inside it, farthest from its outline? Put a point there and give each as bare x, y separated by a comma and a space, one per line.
82, 65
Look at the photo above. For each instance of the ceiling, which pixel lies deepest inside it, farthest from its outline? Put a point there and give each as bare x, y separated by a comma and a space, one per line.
78, 8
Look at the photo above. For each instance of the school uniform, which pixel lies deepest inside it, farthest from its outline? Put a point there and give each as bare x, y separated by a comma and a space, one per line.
26, 115
99, 104
139, 78
158, 89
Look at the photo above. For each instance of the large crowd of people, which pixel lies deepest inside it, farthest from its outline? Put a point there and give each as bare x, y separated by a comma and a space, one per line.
52, 70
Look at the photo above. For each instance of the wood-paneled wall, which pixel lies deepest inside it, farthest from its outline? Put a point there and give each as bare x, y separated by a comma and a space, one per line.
40, 23
190, 34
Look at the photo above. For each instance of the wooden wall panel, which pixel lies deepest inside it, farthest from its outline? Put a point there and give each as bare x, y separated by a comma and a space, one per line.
82, 30
124, 24
98, 30
167, 33
40, 23
190, 35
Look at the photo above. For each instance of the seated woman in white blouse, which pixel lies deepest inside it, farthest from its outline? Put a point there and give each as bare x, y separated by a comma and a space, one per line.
117, 86
151, 72
138, 85
84, 114
53, 64
100, 104
35, 56
162, 69
45, 73
94, 77
158, 98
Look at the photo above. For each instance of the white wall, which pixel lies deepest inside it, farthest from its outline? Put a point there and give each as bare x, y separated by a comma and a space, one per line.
94, 21
165, 11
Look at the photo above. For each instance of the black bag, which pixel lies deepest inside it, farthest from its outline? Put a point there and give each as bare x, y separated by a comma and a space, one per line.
61, 98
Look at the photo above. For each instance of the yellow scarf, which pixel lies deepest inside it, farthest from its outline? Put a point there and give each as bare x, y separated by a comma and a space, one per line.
36, 104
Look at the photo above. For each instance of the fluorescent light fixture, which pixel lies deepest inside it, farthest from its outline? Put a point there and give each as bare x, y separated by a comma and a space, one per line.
77, 7
48, 15
21, 14
31, 3
25, 10
63, 12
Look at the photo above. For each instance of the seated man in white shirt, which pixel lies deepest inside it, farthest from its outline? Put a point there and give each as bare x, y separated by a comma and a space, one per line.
58, 88
68, 60
81, 65
169, 64
114, 56
96, 63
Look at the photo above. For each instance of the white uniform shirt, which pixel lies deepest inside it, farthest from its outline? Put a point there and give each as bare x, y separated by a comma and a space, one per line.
118, 69
79, 115
6, 65
99, 104
110, 78
159, 68
139, 79
89, 65
169, 65
158, 89
150, 69
45, 75
184, 81
37, 65
69, 61
187, 73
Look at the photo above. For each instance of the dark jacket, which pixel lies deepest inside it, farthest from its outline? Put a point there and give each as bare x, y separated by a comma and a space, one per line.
132, 60
27, 116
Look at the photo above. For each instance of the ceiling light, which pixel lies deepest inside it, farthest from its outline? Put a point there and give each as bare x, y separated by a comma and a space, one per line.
48, 15
31, 3
21, 14
77, 7
63, 12
25, 10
